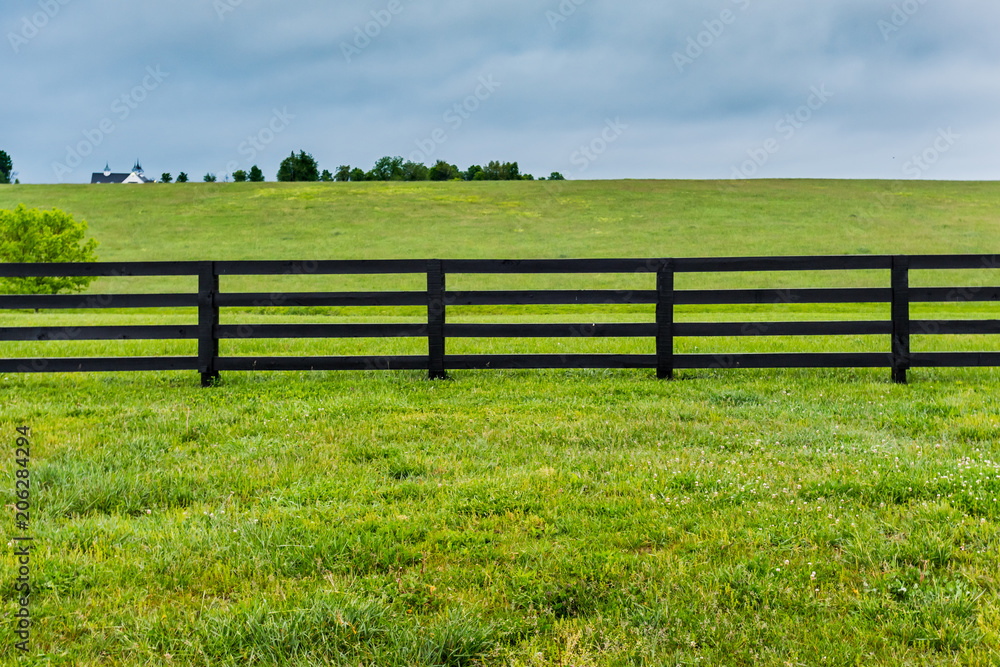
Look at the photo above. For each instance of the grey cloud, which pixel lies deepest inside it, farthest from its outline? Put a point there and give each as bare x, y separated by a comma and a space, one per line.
562, 79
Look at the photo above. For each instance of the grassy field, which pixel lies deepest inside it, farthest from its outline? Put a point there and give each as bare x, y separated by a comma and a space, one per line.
527, 220
585, 518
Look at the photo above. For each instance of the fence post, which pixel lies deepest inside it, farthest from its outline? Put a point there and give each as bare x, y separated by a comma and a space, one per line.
208, 322
665, 320
435, 319
900, 318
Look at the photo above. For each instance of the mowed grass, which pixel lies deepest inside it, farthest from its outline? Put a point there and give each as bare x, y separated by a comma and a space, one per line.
584, 518
549, 219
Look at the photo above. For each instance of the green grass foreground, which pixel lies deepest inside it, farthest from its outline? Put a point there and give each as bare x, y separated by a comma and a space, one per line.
531, 518
528, 518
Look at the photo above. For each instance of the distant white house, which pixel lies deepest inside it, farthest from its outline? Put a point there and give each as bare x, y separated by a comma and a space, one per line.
136, 176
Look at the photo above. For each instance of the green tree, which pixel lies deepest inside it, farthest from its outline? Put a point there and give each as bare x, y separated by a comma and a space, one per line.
165, 177
442, 171
6, 167
301, 167
470, 173
358, 174
239, 176
556, 176
415, 171
209, 178
343, 173
32, 235
388, 169
256, 175
182, 177
509, 171
326, 176
492, 171
497, 171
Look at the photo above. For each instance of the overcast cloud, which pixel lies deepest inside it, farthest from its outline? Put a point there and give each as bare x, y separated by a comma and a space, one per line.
591, 88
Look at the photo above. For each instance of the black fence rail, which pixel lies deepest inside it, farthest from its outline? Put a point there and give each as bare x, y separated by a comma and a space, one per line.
209, 300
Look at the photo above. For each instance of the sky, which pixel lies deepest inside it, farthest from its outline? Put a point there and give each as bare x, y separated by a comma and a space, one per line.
594, 89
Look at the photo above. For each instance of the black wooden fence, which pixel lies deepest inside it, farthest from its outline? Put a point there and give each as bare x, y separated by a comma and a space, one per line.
437, 299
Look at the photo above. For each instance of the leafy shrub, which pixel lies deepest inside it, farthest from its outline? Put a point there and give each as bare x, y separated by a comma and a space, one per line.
33, 235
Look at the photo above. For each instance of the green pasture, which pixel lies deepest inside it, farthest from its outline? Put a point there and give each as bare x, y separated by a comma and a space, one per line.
540, 219
522, 518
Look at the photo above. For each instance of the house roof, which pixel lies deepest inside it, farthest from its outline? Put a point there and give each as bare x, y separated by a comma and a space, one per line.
106, 177
136, 176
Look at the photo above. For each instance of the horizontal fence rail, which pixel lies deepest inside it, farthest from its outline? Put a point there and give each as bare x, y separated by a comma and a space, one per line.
209, 299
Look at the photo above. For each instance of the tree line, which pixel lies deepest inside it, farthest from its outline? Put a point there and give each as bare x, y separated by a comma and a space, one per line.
255, 175
304, 168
